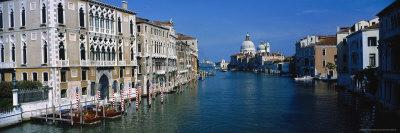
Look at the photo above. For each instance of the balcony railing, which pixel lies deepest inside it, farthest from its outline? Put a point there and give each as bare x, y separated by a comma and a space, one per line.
85, 63
121, 63
7, 64
62, 63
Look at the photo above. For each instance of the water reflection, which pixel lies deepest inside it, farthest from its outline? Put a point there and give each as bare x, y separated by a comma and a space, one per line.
244, 102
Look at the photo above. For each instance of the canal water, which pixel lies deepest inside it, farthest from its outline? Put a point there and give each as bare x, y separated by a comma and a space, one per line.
242, 102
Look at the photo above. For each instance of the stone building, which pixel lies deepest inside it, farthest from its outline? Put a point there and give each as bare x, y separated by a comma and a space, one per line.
313, 54
357, 50
187, 53
157, 54
389, 53
85, 47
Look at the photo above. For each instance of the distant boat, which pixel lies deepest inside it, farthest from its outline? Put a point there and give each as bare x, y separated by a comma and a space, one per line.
224, 70
304, 78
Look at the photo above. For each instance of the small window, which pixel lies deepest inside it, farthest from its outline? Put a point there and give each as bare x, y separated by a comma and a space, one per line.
323, 63
34, 76
121, 73
93, 88
45, 77
138, 28
372, 41
63, 93
84, 75
84, 91
63, 76
323, 52
25, 76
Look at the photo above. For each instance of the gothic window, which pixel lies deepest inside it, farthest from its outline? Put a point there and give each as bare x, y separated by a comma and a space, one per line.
13, 53
83, 55
103, 54
23, 16
91, 20
108, 54
96, 17
131, 27
97, 53
92, 53
102, 23
112, 25
12, 18
2, 53
45, 52
113, 54
1, 19
139, 49
24, 54
60, 13
119, 25
81, 17
61, 51
120, 54
44, 14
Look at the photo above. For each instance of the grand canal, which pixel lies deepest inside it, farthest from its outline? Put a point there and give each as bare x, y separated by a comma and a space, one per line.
243, 102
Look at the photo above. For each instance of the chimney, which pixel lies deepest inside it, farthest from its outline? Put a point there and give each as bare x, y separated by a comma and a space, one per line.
124, 5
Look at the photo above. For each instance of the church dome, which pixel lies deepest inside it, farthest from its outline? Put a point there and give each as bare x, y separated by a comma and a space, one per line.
248, 45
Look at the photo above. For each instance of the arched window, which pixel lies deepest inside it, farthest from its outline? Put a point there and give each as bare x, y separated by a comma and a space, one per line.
109, 54
23, 16
13, 53
44, 14
97, 53
24, 54
113, 54
81, 17
2, 53
61, 51
1, 19
96, 21
103, 54
131, 27
119, 25
60, 13
83, 55
45, 52
12, 18
120, 54
92, 52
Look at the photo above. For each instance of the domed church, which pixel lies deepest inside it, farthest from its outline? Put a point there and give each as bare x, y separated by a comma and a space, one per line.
250, 58
248, 46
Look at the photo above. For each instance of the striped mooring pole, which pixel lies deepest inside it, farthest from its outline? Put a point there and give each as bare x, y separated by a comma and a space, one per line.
137, 98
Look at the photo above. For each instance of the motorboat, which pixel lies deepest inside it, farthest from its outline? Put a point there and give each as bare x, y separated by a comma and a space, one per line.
304, 78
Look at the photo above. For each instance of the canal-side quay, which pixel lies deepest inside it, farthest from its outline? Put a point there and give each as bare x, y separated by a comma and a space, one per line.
242, 101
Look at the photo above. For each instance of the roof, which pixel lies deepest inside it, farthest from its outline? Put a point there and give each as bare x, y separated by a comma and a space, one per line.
344, 30
165, 23
391, 7
184, 37
149, 22
111, 6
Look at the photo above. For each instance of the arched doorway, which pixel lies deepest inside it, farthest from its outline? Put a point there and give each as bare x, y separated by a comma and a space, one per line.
103, 87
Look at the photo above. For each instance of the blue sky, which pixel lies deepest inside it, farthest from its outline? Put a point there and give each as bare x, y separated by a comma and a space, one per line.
221, 25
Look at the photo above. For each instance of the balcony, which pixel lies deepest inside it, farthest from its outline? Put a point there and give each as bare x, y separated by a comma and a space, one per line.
85, 63
62, 63
133, 63
7, 65
121, 63
100, 63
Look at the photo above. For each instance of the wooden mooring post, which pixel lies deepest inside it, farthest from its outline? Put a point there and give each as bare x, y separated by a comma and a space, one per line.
46, 112
54, 113
71, 114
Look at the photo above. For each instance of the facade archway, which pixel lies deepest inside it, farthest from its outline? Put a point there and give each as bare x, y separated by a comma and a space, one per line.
104, 86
